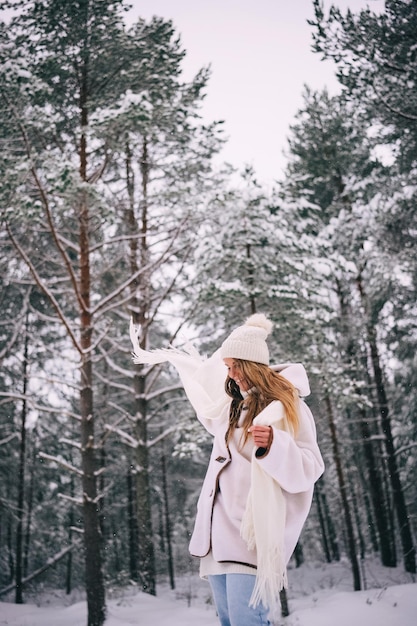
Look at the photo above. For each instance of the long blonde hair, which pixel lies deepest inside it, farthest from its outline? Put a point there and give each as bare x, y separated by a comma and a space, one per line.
266, 386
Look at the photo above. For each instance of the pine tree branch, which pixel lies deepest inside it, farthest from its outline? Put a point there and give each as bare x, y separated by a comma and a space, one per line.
77, 501
152, 266
44, 288
50, 562
113, 385
47, 209
405, 116
13, 396
16, 327
125, 437
170, 287
74, 444
8, 439
162, 436
61, 462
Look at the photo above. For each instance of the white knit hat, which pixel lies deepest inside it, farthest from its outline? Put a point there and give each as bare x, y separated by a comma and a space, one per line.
247, 342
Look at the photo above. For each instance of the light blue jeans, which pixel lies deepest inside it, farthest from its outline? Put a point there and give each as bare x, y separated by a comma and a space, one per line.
231, 594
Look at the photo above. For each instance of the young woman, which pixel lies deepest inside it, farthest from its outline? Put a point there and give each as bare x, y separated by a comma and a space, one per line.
265, 460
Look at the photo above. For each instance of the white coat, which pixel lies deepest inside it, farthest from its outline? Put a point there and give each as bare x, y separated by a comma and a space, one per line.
295, 463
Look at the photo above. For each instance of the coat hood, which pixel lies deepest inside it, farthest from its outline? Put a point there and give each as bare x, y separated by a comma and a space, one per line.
296, 374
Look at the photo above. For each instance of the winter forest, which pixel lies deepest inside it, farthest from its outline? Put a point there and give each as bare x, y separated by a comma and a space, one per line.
113, 206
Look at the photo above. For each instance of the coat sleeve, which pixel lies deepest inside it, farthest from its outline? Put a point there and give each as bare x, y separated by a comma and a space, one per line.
219, 424
295, 463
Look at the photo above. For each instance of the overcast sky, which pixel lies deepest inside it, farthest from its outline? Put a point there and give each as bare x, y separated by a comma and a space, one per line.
260, 56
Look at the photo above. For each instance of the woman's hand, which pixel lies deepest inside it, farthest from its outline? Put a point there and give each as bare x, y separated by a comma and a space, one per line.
262, 436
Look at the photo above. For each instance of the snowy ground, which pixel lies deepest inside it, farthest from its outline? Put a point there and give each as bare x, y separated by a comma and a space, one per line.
319, 595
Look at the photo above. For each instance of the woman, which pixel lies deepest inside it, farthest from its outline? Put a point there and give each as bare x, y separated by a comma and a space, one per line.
265, 460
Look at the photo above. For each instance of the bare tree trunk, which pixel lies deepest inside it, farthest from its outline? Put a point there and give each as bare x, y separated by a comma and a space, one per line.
299, 554
323, 529
252, 299
168, 532
101, 487
370, 518
68, 576
144, 512
29, 515
140, 307
133, 528
10, 551
357, 518
92, 536
379, 501
330, 546
285, 611
343, 493
21, 476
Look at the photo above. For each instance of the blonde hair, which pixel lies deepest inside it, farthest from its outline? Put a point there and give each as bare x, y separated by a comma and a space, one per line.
266, 385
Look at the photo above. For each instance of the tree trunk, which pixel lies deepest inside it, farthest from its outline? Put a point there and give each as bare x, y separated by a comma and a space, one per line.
144, 510
252, 299
285, 611
92, 536
29, 515
343, 493
379, 501
299, 554
133, 528
327, 534
328, 521
10, 551
168, 533
370, 519
21, 476
356, 505
68, 574
101, 488
140, 307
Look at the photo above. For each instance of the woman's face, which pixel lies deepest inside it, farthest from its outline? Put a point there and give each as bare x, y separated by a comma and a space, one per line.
235, 373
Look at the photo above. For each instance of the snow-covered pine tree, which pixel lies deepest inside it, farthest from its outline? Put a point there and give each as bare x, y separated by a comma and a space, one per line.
375, 59
333, 164
110, 183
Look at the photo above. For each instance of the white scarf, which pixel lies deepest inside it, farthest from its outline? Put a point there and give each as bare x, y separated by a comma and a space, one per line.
203, 379
263, 523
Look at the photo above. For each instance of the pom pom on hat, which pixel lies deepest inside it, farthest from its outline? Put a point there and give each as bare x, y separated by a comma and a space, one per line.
248, 342
261, 321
